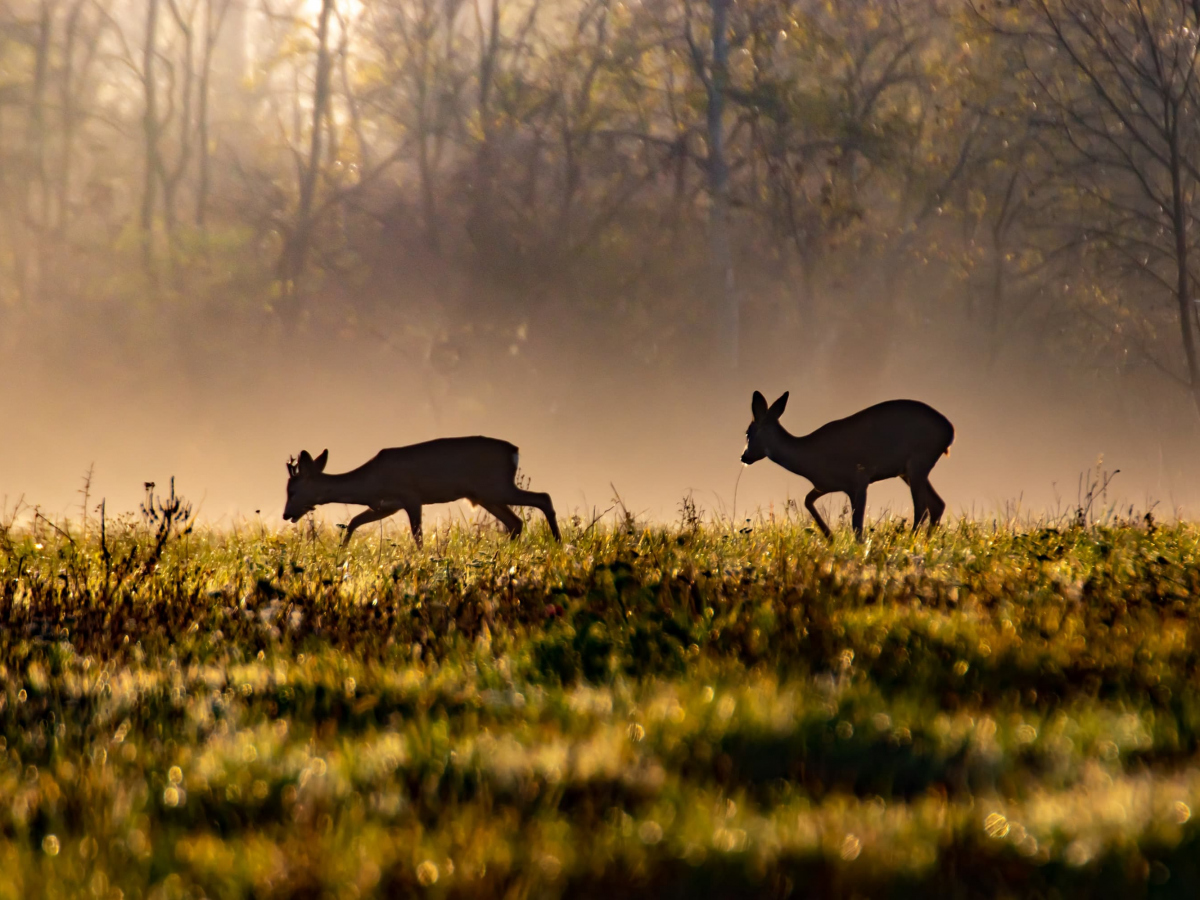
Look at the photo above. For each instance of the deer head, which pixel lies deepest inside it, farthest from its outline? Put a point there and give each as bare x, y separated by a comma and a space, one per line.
302, 485
764, 426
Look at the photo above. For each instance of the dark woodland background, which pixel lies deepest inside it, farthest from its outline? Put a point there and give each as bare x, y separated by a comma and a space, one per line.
233, 228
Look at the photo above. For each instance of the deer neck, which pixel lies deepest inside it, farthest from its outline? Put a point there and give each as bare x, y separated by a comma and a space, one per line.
790, 451
348, 487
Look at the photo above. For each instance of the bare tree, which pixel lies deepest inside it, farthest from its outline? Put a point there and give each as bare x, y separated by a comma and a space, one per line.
173, 175
151, 128
36, 186
419, 45
1116, 99
224, 26
713, 72
70, 86
297, 244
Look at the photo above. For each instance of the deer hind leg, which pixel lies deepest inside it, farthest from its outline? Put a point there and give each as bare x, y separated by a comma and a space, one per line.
414, 522
809, 503
367, 516
507, 517
537, 500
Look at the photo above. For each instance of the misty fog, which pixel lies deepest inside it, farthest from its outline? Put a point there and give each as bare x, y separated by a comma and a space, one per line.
231, 232
224, 421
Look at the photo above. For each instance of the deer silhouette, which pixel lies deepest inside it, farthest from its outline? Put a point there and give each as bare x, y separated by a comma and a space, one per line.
895, 439
479, 469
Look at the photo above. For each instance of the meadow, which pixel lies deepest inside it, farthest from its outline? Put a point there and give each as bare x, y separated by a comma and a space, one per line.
643, 710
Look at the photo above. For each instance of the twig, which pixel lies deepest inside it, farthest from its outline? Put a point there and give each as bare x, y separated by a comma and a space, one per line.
86, 490
596, 519
733, 512
38, 515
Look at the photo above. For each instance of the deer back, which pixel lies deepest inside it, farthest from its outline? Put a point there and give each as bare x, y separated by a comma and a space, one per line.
447, 469
877, 442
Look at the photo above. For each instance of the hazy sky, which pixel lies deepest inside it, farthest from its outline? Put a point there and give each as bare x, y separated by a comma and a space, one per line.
224, 424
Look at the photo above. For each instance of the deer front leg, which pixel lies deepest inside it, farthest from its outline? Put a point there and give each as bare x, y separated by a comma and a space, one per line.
366, 517
920, 503
936, 505
809, 503
858, 508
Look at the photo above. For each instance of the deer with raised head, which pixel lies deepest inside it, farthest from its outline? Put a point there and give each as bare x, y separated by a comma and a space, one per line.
479, 469
896, 439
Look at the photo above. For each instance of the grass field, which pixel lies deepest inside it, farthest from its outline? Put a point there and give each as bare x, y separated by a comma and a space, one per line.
667, 712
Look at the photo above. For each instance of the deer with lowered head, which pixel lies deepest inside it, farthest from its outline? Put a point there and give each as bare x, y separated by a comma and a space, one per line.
479, 469
895, 439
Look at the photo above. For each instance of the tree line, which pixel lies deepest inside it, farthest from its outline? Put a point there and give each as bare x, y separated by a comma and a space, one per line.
677, 174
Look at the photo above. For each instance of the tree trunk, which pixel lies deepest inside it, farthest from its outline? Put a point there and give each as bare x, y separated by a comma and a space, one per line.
424, 169
1179, 218
726, 301
37, 198
214, 26
480, 225
150, 129
202, 176
68, 112
295, 254
171, 180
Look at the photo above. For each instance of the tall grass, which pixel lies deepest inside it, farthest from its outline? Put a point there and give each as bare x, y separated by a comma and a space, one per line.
691, 711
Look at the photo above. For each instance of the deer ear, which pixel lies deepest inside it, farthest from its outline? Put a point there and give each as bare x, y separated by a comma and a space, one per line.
758, 405
778, 406
304, 463
319, 462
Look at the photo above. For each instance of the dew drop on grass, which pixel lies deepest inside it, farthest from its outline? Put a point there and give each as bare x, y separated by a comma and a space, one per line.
427, 873
851, 848
650, 832
996, 825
